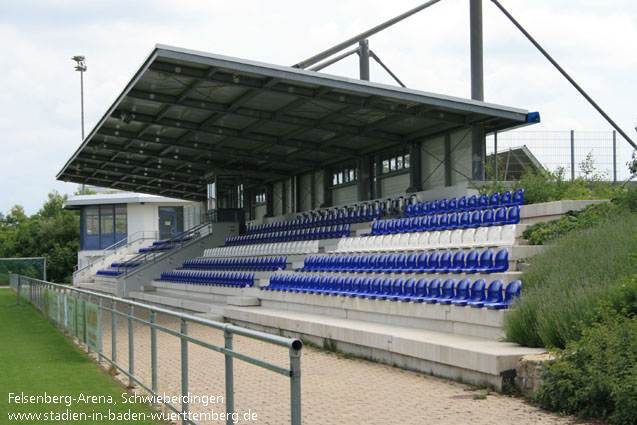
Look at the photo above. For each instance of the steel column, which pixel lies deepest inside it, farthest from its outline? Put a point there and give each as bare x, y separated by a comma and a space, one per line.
495, 155
477, 87
363, 53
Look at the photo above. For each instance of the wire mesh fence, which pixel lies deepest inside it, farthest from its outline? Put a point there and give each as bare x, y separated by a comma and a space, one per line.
588, 154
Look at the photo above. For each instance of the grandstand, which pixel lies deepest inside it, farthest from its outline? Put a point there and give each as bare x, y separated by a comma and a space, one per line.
341, 211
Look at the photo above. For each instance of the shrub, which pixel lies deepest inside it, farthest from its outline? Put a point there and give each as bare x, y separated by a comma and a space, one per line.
565, 283
597, 375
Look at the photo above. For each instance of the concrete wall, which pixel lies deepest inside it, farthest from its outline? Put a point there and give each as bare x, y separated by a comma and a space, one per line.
345, 195
393, 186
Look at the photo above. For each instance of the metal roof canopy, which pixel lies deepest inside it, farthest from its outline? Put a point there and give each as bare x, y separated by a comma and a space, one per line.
188, 114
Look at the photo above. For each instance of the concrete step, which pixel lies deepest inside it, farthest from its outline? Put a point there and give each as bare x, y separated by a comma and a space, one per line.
535, 213
103, 287
464, 358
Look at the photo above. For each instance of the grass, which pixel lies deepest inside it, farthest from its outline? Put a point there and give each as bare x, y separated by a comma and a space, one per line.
35, 358
565, 284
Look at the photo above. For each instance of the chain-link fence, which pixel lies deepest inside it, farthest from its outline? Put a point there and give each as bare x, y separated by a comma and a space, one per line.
590, 154
32, 267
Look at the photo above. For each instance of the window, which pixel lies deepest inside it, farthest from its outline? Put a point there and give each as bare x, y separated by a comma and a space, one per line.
259, 197
395, 161
103, 225
344, 174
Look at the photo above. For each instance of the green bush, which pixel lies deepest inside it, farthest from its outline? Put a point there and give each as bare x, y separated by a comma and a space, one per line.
547, 186
564, 284
597, 375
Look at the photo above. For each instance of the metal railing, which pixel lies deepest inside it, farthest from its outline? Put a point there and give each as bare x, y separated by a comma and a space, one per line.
64, 313
191, 235
142, 234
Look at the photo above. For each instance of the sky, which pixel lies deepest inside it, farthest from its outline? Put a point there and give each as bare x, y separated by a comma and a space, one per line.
595, 41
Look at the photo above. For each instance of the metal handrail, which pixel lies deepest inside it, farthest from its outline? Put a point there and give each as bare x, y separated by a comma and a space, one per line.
294, 345
203, 229
114, 247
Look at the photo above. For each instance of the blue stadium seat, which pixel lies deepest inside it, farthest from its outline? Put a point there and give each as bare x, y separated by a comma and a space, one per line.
465, 220
422, 262
476, 219
443, 222
506, 199
500, 216
444, 264
408, 290
433, 207
462, 204
391, 263
410, 262
500, 263
433, 291
433, 263
487, 217
458, 262
462, 292
453, 221
476, 293
511, 292
420, 290
366, 287
381, 263
426, 208
513, 216
401, 263
442, 205
452, 205
375, 288
472, 203
486, 261
518, 197
385, 289
494, 200
494, 295
447, 291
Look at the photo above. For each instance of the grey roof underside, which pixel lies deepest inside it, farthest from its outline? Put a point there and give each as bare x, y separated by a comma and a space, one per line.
188, 114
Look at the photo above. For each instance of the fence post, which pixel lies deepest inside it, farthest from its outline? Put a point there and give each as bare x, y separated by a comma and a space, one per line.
614, 157
113, 332
131, 346
295, 386
495, 155
99, 321
229, 378
153, 351
184, 372
572, 155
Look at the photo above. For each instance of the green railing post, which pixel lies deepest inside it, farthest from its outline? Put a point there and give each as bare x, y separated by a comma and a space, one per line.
295, 386
184, 372
153, 351
113, 332
131, 346
229, 378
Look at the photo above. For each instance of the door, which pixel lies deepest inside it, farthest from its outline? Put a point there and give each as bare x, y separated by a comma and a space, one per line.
171, 222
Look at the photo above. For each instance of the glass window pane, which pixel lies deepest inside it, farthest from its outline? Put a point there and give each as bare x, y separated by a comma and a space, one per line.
352, 175
92, 220
385, 166
106, 220
407, 163
392, 164
399, 163
121, 226
334, 179
340, 177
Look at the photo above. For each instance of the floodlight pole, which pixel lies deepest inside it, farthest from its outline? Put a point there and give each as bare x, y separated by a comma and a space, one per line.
81, 67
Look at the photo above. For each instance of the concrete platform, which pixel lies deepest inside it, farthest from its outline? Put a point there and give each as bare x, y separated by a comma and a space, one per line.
463, 358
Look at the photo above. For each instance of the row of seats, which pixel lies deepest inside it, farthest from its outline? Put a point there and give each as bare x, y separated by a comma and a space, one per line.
447, 239
176, 239
448, 221
327, 232
461, 293
234, 280
331, 218
255, 264
129, 265
425, 262
109, 272
285, 248
494, 200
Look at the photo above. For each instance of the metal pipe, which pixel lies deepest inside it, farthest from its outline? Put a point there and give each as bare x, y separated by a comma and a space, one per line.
477, 55
131, 345
572, 155
229, 378
363, 59
495, 155
350, 42
184, 372
153, 351
377, 59
333, 60
563, 72
295, 387
113, 332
